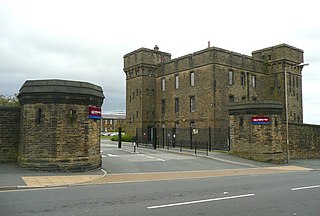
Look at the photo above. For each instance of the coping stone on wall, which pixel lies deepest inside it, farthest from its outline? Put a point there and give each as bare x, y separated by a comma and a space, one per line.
64, 91
255, 107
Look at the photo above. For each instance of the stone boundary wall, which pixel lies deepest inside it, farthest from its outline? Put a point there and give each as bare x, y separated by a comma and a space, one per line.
304, 141
9, 133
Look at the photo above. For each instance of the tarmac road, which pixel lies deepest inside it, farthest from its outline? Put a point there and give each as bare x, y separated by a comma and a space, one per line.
294, 193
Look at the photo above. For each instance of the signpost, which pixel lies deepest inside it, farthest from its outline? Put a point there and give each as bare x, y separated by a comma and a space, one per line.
259, 120
94, 112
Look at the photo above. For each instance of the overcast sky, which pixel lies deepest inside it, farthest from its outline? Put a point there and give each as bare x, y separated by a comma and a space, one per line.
86, 40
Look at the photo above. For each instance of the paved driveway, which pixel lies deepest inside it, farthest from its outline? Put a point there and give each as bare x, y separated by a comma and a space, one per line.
124, 160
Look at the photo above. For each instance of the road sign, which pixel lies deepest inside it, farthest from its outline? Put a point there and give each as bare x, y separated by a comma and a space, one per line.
260, 120
94, 112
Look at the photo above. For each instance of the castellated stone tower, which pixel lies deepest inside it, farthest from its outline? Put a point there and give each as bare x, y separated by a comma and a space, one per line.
140, 67
57, 133
279, 60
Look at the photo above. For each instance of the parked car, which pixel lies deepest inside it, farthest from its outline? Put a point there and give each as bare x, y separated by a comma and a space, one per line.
104, 134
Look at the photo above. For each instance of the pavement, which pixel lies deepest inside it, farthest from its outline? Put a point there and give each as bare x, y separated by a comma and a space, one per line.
14, 177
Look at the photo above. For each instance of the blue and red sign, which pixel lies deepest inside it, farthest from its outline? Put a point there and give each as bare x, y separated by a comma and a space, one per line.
260, 120
94, 112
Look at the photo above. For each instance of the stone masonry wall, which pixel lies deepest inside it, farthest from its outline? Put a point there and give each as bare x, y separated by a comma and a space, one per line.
304, 140
257, 142
9, 133
60, 139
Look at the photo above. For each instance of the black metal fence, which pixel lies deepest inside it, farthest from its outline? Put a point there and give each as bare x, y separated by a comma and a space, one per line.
194, 139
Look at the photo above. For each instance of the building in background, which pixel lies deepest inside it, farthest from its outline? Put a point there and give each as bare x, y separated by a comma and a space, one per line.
194, 91
112, 121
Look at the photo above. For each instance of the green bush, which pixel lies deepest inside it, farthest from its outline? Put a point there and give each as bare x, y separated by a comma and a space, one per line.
124, 138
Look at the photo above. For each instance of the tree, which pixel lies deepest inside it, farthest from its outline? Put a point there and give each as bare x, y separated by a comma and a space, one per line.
9, 100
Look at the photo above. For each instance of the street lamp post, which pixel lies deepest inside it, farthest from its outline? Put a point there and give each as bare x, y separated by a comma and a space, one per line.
287, 112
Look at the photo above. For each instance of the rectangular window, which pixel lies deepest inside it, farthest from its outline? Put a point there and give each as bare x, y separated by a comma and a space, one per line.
176, 105
290, 85
163, 106
293, 82
231, 77
39, 116
176, 81
72, 116
231, 98
276, 82
254, 80
192, 104
191, 78
243, 79
163, 84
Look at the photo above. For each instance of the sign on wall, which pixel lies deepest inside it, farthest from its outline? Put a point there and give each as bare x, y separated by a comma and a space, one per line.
94, 112
260, 120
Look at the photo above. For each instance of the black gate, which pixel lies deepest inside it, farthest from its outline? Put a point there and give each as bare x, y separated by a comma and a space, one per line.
195, 139
146, 137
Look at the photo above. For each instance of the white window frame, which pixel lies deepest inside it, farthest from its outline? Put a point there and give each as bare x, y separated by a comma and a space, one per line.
176, 81
231, 77
163, 84
192, 78
254, 81
192, 103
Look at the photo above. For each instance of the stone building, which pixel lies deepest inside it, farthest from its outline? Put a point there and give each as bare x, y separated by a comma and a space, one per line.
194, 91
112, 121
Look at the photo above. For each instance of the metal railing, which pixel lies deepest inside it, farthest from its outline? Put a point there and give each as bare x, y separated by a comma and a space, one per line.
184, 139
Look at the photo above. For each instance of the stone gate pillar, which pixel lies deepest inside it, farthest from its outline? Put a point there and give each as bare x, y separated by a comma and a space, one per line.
255, 131
57, 133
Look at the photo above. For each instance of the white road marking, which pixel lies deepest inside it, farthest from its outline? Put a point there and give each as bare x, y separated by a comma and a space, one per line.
200, 201
25, 189
304, 188
143, 155
151, 157
125, 150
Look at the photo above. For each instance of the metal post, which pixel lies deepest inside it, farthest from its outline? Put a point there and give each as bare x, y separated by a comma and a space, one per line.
137, 137
163, 137
191, 137
154, 138
207, 149
119, 137
287, 113
209, 139
134, 147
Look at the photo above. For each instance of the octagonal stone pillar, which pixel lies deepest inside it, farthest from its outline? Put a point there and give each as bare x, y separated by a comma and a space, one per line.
256, 131
57, 133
